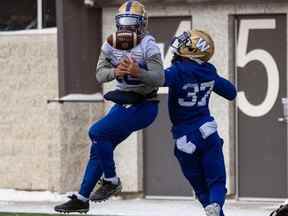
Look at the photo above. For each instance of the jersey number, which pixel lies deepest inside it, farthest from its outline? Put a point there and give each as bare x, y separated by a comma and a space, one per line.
192, 89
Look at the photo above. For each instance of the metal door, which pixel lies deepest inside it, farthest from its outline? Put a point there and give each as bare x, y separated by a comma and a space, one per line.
261, 72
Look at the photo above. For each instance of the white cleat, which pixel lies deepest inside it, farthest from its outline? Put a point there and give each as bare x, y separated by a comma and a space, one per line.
213, 209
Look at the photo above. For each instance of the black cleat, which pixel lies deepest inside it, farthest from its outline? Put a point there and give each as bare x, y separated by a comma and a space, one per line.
282, 210
106, 190
73, 205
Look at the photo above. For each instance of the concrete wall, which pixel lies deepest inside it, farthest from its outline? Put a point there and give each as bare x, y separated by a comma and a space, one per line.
43, 146
69, 145
28, 78
214, 18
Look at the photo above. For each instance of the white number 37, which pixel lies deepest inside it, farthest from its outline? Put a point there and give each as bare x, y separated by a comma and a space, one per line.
192, 89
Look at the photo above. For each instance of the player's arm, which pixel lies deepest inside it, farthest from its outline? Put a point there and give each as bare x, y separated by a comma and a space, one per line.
105, 70
153, 73
170, 74
224, 88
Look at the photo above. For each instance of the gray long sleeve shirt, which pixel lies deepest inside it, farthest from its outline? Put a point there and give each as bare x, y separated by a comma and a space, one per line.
146, 53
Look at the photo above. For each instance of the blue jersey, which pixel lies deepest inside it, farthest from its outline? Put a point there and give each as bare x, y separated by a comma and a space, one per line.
190, 87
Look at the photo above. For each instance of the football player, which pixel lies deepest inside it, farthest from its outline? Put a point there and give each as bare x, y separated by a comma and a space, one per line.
198, 146
136, 105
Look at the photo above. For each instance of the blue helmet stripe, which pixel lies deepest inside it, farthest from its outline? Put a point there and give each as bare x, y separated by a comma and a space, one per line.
129, 5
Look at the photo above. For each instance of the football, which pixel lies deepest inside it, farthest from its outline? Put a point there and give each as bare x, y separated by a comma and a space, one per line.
124, 40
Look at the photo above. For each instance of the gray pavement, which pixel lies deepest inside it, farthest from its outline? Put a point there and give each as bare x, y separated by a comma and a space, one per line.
148, 207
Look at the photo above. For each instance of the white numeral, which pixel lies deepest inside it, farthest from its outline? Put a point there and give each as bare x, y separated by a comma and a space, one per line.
192, 90
190, 94
272, 72
203, 86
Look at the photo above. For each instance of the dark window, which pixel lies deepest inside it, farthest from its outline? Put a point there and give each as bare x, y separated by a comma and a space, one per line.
49, 13
22, 14
18, 15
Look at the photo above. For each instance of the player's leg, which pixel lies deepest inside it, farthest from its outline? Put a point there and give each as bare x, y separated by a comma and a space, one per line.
142, 115
110, 184
92, 173
106, 134
99, 152
214, 169
94, 170
80, 202
191, 168
118, 125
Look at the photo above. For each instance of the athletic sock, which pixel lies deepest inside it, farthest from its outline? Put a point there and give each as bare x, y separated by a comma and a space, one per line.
82, 198
113, 180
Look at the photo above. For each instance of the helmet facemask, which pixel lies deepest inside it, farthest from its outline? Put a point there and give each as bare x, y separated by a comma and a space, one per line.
130, 22
180, 42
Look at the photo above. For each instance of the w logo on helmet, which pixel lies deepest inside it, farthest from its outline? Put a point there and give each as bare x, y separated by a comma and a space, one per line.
195, 44
202, 45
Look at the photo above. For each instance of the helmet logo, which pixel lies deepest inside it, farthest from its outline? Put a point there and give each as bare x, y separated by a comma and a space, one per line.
202, 45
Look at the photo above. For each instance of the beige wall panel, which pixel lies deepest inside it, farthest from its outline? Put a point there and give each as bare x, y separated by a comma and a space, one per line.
70, 146
28, 78
44, 146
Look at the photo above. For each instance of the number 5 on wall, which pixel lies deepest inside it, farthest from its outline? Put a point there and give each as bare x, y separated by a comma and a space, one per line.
243, 58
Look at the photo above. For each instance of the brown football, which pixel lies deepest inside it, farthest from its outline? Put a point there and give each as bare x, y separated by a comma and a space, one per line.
124, 40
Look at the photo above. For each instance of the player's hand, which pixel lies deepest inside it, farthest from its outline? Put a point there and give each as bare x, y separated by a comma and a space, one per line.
132, 67
120, 70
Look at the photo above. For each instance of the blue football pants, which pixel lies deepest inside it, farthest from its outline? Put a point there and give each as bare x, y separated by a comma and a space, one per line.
205, 169
107, 133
